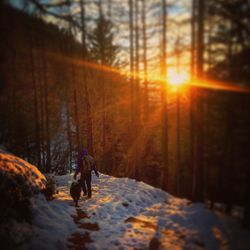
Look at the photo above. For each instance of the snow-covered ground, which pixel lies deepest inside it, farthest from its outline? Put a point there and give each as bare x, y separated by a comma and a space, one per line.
126, 214
122, 214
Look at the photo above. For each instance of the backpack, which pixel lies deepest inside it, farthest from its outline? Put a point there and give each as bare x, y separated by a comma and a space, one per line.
86, 165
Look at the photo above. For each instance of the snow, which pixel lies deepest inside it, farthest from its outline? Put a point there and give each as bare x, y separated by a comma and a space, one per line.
122, 214
126, 214
11, 166
52, 223
19, 181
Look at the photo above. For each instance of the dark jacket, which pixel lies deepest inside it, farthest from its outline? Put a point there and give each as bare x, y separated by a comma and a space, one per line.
84, 154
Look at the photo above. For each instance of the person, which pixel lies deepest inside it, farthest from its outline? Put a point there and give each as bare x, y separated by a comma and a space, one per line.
85, 165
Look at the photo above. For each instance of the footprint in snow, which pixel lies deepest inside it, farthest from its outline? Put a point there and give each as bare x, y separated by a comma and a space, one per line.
78, 240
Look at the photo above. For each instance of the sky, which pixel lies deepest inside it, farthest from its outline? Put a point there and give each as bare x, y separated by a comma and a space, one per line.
178, 28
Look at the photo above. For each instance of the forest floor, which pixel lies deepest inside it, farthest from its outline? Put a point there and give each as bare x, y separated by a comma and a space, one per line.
126, 214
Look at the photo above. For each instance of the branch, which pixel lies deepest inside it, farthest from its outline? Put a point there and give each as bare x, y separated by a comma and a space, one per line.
44, 10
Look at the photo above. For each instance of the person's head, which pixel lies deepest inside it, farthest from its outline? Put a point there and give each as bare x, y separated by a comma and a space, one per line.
84, 152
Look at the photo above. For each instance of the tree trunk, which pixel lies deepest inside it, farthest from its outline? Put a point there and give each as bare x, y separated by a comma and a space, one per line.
69, 135
83, 31
145, 62
178, 122
89, 119
193, 39
76, 108
164, 97
35, 102
131, 40
199, 150
200, 38
109, 9
46, 109
178, 143
41, 104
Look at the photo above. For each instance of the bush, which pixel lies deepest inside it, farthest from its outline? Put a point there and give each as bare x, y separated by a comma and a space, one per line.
15, 195
50, 188
14, 206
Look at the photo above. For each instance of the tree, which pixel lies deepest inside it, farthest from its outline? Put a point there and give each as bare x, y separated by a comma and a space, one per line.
145, 61
104, 52
164, 96
102, 48
198, 170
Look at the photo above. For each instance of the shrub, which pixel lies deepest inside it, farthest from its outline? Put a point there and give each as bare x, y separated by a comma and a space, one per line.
50, 188
14, 206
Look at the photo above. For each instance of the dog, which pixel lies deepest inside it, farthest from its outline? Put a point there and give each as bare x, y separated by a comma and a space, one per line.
75, 191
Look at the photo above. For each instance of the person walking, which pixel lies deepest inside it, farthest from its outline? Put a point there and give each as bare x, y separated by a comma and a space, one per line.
85, 165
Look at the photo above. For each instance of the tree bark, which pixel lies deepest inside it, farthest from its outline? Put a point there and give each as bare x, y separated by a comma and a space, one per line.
83, 31
46, 109
145, 62
164, 97
131, 40
35, 102
76, 108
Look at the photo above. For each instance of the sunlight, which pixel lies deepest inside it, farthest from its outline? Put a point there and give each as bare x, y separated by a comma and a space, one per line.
219, 85
177, 80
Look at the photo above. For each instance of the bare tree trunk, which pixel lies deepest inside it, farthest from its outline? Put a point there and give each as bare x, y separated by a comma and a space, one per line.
137, 89
41, 104
164, 97
12, 100
103, 90
178, 143
46, 109
103, 117
178, 122
131, 39
35, 102
198, 186
70, 150
193, 39
145, 62
197, 114
109, 9
89, 119
199, 167
200, 38
83, 31
76, 108
88, 105
192, 95
192, 91
246, 220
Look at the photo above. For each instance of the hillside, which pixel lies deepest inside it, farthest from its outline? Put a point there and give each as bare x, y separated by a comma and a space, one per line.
122, 214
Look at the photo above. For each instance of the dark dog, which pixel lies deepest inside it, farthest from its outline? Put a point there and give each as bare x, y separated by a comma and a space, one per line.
75, 191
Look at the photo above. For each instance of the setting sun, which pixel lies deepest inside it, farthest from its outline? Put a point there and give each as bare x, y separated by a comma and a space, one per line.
177, 80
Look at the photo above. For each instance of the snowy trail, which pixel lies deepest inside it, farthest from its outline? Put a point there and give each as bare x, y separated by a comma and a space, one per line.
125, 214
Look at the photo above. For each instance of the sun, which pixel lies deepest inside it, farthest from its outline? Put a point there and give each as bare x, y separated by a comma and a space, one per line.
177, 79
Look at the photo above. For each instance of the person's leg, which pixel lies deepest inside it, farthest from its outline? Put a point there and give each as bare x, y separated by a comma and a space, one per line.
88, 181
83, 180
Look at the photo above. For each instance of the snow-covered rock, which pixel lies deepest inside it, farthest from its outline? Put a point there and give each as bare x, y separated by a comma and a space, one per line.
19, 181
12, 166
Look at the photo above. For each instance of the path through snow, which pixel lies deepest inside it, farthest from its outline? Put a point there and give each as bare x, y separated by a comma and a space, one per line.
126, 214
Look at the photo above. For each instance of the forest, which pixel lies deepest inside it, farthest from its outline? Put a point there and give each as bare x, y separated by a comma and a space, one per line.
156, 90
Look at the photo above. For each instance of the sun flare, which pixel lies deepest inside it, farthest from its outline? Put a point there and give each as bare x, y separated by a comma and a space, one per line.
177, 79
